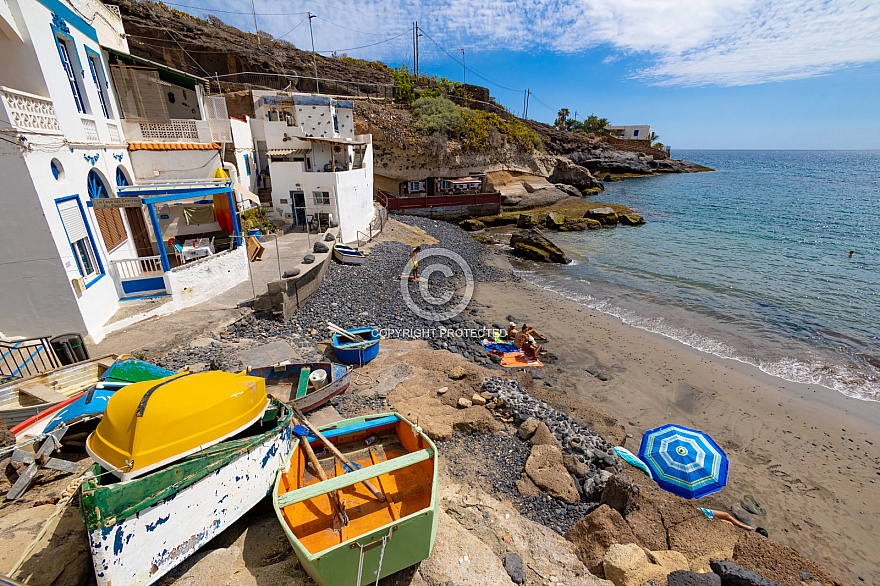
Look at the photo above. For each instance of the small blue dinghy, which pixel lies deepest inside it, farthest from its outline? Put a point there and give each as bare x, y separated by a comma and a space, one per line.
352, 352
348, 255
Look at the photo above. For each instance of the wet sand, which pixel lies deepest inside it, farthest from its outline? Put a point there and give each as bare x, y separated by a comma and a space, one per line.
808, 454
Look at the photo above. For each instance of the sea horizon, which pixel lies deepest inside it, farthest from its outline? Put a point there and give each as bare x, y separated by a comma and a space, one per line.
749, 262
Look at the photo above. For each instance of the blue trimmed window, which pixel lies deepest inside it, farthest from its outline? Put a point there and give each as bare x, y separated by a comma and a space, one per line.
70, 61
79, 235
121, 179
56, 171
100, 80
97, 188
247, 164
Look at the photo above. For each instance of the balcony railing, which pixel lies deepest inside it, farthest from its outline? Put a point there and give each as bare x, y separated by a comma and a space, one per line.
29, 113
175, 130
91, 130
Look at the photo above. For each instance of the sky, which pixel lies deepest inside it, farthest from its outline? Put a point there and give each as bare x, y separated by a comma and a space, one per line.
705, 74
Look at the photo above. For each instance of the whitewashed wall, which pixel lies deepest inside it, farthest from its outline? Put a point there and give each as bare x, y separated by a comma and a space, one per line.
201, 280
171, 165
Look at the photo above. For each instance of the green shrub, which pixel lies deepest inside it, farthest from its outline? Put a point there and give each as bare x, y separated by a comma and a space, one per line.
403, 87
437, 114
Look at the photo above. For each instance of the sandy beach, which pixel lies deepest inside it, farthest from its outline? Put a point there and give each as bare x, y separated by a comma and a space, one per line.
807, 453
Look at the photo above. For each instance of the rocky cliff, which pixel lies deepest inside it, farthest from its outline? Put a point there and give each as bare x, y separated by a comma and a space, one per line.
205, 47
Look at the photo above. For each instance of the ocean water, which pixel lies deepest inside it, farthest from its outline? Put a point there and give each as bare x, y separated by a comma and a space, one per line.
749, 262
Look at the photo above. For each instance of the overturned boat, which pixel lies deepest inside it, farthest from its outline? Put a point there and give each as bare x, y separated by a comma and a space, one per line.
310, 385
379, 536
143, 525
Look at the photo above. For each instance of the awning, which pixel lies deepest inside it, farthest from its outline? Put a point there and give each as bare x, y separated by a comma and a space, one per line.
173, 146
245, 193
333, 140
286, 152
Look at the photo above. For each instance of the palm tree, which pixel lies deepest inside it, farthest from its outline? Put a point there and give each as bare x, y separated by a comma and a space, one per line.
562, 118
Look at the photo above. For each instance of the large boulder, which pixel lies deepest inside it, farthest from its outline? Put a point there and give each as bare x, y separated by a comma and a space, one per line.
619, 492
543, 436
595, 533
630, 565
472, 225
579, 225
631, 219
605, 216
535, 246
554, 221
525, 221
527, 428
320, 247
570, 173
547, 471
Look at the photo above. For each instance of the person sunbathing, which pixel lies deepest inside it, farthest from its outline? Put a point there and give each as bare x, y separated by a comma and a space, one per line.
731, 520
521, 341
533, 333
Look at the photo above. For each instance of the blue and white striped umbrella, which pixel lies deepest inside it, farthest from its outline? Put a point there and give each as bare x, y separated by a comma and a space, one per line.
684, 461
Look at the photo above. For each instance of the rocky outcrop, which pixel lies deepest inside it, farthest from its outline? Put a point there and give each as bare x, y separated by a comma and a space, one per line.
472, 225
630, 565
605, 216
535, 246
570, 173
631, 219
595, 533
735, 575
547, 471
554, 221
599, 159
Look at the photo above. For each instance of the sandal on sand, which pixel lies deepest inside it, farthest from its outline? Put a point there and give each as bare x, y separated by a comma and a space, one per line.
750, 504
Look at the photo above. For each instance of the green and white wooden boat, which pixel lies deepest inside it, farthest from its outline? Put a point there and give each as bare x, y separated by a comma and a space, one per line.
377, 537
142, 528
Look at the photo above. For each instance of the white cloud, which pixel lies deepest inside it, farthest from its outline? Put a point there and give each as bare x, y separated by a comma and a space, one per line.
683, 42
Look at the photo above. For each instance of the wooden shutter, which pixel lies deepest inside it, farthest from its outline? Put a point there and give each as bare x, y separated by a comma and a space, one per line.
111, 226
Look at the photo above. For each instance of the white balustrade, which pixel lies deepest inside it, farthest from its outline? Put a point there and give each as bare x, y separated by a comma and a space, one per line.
115, 137
91, 130
28, 112
133, 268
173, 130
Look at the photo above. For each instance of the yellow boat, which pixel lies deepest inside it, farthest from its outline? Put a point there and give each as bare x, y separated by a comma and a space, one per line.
151, 424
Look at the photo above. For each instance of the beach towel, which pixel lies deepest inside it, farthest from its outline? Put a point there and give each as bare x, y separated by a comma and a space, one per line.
503, 347
633, 459
518, 359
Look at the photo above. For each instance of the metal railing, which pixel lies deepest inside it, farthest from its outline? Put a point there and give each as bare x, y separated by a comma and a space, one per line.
23, 358
377, 224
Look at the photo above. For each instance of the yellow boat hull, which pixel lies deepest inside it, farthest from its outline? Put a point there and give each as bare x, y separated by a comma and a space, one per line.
151, 424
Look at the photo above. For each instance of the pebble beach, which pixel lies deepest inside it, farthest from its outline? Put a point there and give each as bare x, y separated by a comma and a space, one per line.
810, 457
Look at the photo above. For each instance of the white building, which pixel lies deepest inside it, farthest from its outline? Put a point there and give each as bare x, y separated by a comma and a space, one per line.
318, 168
80, 119
637, 132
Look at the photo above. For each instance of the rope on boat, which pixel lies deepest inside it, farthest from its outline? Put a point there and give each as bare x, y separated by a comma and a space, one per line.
378, 572
357, 372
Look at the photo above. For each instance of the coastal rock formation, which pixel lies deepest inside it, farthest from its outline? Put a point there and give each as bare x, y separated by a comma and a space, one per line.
631, 219
688, 578
595, 533
554, 221
568, 172
736, 575
577, 440
605, 216
547, 471
535, 246
630, 565
472, 225
607, 160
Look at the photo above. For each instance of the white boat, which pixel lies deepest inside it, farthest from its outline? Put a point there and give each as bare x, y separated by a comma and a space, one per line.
141, 529
348, 255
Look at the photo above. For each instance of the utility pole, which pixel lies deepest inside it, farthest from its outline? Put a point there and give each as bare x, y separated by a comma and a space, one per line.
528, 94
418, 34
314, 61
415, 58
256, 29
463, 68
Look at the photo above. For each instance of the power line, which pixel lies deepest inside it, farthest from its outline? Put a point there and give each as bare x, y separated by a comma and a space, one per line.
471, 69
364, 46
294, 28
249, 12
346, 28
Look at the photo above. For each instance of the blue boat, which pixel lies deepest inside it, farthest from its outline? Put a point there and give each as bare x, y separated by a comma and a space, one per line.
348, 255
357, 352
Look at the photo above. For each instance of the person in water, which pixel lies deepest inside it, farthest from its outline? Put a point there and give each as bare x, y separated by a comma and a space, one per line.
851, 253
414, 274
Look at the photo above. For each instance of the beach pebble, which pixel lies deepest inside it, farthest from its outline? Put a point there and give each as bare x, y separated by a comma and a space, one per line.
478, 400
442, 390
464, 403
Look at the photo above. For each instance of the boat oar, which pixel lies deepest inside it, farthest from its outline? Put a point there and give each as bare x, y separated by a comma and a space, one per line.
333, 450
302, 432
336, 329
